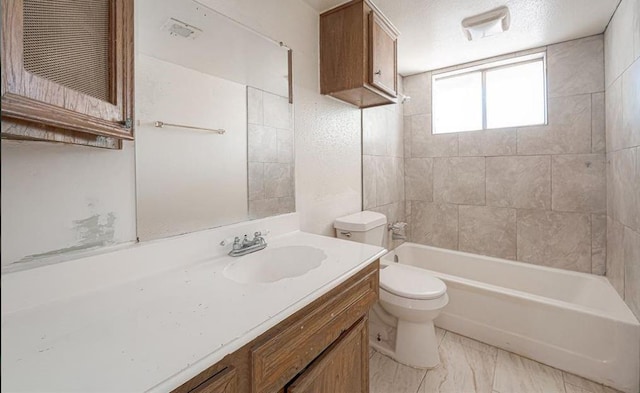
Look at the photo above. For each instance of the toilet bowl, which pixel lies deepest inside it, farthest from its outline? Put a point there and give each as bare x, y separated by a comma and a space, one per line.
415, 298
408, 294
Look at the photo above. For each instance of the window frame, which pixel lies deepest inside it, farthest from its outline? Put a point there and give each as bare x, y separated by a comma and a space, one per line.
490, 65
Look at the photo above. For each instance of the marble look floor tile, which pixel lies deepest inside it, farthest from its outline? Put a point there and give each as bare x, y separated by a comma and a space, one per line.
440, 335
467, 366
471, 343
576, 384
517, 374
387, 376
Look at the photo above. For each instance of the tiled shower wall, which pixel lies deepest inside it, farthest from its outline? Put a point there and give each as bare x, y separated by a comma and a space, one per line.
622, 60
532, 194
271, 163
383, 163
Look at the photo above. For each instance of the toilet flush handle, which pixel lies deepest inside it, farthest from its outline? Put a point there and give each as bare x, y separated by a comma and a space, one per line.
347, 234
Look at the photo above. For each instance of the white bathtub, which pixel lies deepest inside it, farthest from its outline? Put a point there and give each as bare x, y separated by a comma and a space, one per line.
572, 321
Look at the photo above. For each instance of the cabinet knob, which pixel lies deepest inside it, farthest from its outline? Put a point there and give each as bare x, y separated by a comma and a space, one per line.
379, 72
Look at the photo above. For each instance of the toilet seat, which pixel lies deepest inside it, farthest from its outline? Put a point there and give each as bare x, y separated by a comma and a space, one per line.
411, 283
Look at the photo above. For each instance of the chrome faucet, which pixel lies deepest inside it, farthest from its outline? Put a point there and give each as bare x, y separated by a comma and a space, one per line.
245, 246
398, 230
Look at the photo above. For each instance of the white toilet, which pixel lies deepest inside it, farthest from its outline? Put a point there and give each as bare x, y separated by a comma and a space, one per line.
412, 295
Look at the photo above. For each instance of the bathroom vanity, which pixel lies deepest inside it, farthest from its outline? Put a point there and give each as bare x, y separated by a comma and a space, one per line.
321, 348
181, 315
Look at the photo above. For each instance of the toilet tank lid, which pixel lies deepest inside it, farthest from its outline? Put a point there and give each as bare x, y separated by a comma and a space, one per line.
360, 222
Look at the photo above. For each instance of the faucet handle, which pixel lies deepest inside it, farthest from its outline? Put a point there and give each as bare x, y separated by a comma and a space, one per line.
227, 241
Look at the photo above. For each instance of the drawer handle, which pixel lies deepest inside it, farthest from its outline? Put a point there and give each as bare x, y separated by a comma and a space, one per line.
347, 234
379, 72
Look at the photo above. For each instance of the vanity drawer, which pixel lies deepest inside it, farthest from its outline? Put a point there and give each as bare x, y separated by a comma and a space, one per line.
282, 357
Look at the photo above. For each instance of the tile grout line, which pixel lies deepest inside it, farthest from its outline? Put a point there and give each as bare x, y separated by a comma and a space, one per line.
424, 376
564, 382
495, 371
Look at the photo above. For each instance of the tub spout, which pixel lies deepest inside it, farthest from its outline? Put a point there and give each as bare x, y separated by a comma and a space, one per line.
398, 230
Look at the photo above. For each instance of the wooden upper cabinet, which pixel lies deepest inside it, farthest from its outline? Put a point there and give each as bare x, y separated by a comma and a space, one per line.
358, 55
383, 55
67, 65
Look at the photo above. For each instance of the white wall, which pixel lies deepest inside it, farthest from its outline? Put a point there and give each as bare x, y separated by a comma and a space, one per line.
39, 208
59, 198
188, 180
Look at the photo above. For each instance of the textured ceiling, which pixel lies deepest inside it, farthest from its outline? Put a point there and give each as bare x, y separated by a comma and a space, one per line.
431, 36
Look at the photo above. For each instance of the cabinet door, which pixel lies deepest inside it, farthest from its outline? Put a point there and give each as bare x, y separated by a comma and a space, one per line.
69, 64
382, 55
226, 381
342, 368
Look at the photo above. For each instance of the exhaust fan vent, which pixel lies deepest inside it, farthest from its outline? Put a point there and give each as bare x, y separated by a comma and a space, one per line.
178, 28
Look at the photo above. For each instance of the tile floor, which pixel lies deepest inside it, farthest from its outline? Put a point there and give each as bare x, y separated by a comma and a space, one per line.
469, 366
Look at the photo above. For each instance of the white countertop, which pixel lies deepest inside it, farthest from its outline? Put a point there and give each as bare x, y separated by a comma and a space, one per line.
156, 332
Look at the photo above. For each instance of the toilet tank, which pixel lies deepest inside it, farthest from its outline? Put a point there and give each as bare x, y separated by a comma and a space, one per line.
363, 227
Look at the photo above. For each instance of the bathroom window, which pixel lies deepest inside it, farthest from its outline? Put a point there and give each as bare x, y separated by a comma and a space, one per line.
501, 94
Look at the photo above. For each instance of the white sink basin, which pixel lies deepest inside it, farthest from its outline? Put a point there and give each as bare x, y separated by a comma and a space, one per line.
273, 264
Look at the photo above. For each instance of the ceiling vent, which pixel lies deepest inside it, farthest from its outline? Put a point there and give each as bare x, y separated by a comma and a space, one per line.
178, 28
486, 24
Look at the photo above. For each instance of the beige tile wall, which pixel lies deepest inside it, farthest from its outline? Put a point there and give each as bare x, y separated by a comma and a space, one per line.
270, 151
532, 194
622, 96
383, 167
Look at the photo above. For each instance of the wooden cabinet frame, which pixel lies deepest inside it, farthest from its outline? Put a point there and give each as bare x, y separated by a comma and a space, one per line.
27, 97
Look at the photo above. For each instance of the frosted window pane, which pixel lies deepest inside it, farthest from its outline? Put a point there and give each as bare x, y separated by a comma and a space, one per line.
457, 103
515, 95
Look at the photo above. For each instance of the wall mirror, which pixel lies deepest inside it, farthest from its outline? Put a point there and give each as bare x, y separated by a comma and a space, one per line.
214, 121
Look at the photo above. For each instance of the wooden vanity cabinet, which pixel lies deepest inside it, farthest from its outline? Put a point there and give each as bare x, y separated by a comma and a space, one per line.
67, 71
226, 381
321, 348
341, 368
358, 55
